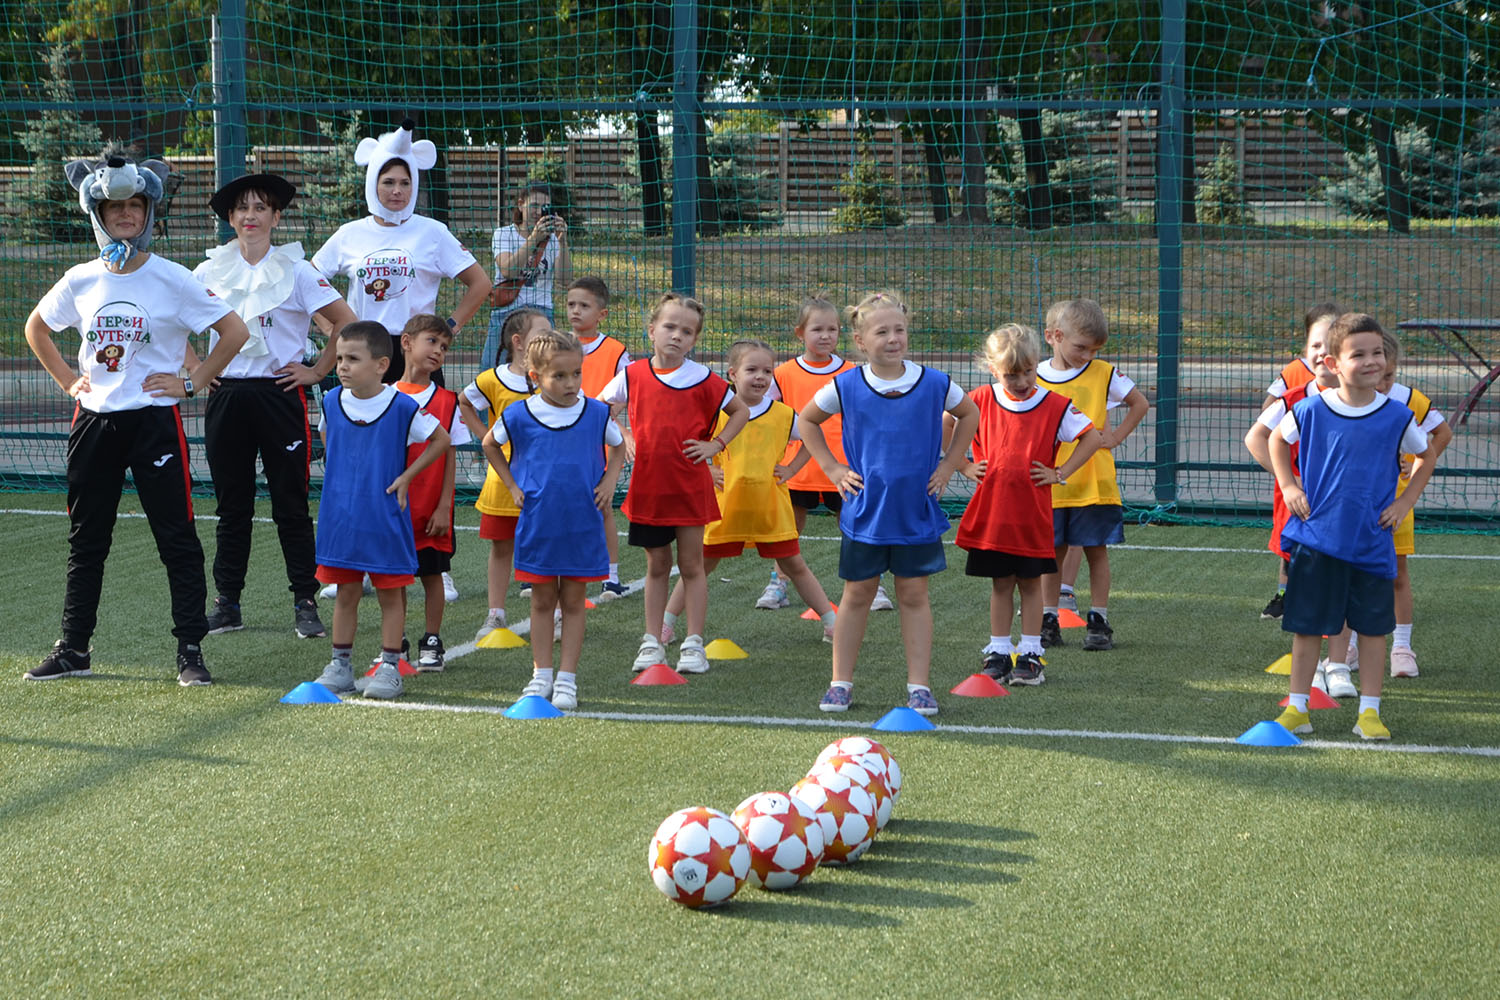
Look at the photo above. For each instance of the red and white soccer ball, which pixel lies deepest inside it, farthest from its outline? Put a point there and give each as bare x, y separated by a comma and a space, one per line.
862, 747
698, 857
850, 812
785, 836
868, 771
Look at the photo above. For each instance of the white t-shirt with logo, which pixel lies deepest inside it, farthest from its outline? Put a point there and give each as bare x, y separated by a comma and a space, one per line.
393, 271
132, 326
283, 329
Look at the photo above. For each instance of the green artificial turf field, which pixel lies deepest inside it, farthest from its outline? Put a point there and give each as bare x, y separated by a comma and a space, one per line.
166, 841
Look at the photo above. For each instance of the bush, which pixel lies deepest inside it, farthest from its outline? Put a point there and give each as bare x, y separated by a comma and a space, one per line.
1442, 181
747, 198
336, 184
1082, 187
867, 201
50, 209
1220, 198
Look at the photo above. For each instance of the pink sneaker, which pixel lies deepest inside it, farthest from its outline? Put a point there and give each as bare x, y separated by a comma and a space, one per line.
1403, 662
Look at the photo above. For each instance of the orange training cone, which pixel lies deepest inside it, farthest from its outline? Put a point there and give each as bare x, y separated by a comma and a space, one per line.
812, 616
404, 668
979, 686
659, 673
1069, 619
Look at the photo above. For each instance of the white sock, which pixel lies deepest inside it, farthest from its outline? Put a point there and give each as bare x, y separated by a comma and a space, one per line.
1402, 638
1031, 644
614, 572
999, 644
1366, 702
1102, 612
846, 685
564, 676
542, 674
1297, 701
830, 617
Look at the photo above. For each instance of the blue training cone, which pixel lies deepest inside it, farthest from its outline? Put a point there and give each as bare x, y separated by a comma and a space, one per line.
310, 693
903, 720
1268, 734
533, 706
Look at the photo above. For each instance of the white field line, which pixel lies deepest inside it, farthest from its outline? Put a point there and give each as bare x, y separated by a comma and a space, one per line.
834, 538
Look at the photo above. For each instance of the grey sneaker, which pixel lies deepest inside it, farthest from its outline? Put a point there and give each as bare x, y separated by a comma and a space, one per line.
307, 624
338, 676
385, 682
225, 616
1068, 600
1099, 635
491, 623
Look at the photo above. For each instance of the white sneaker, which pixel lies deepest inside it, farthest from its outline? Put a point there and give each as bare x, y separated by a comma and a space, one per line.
882, 601
450, 592
773, 597
331, 591
691, 659
1339, 684
537, 687
1320, 677
1403, 662
828, 624
649, 655
491, 623
565, 695
556, 624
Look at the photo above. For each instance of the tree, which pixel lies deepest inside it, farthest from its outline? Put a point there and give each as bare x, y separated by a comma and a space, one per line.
53, 138
1221, 198
867, 200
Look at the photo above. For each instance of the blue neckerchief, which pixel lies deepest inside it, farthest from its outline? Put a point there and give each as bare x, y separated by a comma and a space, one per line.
117, 253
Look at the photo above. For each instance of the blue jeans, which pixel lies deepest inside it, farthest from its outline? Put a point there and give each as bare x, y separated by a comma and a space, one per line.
487, 357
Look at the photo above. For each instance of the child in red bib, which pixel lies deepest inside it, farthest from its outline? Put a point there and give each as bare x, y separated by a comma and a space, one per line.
673, 403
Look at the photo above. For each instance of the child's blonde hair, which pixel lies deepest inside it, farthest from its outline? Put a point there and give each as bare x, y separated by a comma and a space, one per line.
740, 348
1055, 313
1013, 347
515, 325
547, 344
813, 304
1392, 348
1084, 317
677, 298
886, 298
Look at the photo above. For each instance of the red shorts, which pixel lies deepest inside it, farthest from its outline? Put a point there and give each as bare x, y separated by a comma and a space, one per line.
498, 527
524, 577
766, 550
380, 581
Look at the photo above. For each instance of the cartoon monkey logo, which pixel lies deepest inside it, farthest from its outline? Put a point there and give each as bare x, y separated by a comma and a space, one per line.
377, 289
109, 356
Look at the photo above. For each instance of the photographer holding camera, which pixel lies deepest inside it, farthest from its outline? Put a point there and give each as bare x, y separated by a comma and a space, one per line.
527, 267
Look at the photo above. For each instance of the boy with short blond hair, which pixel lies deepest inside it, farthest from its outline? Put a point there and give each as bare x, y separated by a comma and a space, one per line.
1087, 510
604, 357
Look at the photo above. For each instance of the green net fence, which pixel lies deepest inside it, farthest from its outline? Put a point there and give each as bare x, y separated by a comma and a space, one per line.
1206, 171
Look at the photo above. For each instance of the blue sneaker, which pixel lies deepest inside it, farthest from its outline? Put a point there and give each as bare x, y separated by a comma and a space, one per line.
611, 590
922, 702
835, 700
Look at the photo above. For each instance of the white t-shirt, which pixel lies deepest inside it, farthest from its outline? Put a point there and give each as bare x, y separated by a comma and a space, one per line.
549, 415
284, 328
393, 271
827, 397
1271, 416
364, 411
685, 375
1401, 393
765, 404
508, 378
458, 431
133, 326
1072, 425
537, 291
1413, 439
1120, 385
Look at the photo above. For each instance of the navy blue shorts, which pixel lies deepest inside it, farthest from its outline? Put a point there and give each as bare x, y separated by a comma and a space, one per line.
1101, 524
862, 561
1323, 592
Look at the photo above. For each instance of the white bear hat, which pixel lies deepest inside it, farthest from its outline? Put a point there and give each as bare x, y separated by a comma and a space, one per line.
115, 177
375, 154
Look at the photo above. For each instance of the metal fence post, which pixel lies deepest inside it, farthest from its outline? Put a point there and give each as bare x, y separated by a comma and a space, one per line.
1169, 187
231, 139
685, 125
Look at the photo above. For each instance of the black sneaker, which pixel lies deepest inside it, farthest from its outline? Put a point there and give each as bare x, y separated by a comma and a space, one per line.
611, 590
191, 671
61, 662
1028, 670
1100, 635
525, 590
1274, 608
997, 667
1051, 631
431, 652
225, 617
308, 625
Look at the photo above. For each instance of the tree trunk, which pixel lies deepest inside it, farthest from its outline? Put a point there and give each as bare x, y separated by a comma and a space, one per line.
648, 160
1397, 201
937, 178
708, 197
1189, 172
975, 208
1038, 183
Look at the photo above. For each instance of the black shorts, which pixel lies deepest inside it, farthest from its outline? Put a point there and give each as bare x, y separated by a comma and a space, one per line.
431, 562
995, 565
809, 499
651, 536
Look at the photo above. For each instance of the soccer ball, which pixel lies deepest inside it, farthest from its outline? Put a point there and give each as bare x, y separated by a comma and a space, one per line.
785, 836
869, 772
850, 810
862, 747
698, 857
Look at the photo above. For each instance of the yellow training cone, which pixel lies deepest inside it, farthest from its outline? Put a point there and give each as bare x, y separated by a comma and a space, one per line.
724, 649
1282, 666
501, 638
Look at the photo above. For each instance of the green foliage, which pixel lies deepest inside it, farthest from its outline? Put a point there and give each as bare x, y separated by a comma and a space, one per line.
868, 201
1220, 198
336, 184
50, 211
1082, 187
746, 197
1443, 181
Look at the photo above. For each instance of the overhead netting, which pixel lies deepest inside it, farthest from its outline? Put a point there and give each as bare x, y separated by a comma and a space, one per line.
1206, 171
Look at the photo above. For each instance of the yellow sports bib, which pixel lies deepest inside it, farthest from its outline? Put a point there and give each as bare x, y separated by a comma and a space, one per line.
1094, 484
753, 506
494, 498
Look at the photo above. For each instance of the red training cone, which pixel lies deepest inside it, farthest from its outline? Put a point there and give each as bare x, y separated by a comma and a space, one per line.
1315, 699
1069, 619
588, 605
659, 674
403, 667
979, 686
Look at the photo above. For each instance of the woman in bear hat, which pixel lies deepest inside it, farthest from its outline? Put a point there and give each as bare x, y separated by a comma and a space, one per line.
134, 311
258, 405
394, 258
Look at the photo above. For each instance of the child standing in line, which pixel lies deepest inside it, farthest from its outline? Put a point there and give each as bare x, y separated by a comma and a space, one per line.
754, 501
604, 357
1295, 374
489, 394
424, 342
363, 526
891, 521
673, 404
557, 475
1345, 507
1087, 510
134, 311
1007, 527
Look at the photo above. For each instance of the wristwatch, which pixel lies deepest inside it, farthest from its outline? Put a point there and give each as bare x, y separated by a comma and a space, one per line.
187, 386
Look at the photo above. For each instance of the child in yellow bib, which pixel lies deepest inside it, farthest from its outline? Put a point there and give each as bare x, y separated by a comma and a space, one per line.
755, 504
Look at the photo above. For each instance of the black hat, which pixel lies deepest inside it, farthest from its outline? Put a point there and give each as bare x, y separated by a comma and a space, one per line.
274, 185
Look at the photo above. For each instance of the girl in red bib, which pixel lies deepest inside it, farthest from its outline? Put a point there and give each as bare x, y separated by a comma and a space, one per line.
1007, 527
673, 404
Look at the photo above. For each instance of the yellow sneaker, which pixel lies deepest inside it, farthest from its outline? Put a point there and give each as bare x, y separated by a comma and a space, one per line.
1294, 721
1369, 726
